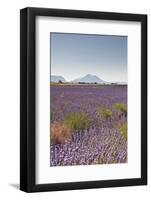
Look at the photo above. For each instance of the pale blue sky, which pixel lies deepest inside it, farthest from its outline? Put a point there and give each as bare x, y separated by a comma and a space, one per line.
75, 55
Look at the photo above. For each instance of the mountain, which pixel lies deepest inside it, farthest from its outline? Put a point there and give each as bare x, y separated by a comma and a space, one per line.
56, 79
89, 79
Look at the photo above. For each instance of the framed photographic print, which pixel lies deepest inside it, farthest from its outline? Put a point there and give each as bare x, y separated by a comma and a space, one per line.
83, 99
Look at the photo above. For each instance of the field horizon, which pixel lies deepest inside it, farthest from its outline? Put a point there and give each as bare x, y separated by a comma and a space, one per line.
88, 78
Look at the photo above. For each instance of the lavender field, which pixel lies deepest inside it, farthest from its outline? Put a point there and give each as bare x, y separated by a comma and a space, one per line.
88, 124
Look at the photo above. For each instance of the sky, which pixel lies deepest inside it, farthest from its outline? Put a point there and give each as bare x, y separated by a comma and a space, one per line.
76, 55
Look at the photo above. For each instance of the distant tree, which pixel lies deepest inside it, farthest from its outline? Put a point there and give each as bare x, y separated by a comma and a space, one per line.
81, 83
60, 81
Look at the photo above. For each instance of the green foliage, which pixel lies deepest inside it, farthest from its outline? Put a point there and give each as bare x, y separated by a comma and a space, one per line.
105, 112
52, 116
54, 84
59, 83
121, 107
123, 129
77, 121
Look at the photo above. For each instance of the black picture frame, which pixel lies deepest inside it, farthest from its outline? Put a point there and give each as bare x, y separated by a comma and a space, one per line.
28, 99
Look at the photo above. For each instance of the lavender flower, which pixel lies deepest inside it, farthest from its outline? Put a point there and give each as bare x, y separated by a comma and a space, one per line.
102, 142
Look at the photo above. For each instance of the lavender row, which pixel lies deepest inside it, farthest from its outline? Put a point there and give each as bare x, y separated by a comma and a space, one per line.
100, 143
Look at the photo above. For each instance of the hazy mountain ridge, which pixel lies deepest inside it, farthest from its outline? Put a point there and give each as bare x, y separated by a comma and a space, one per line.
89, 79
55, 78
